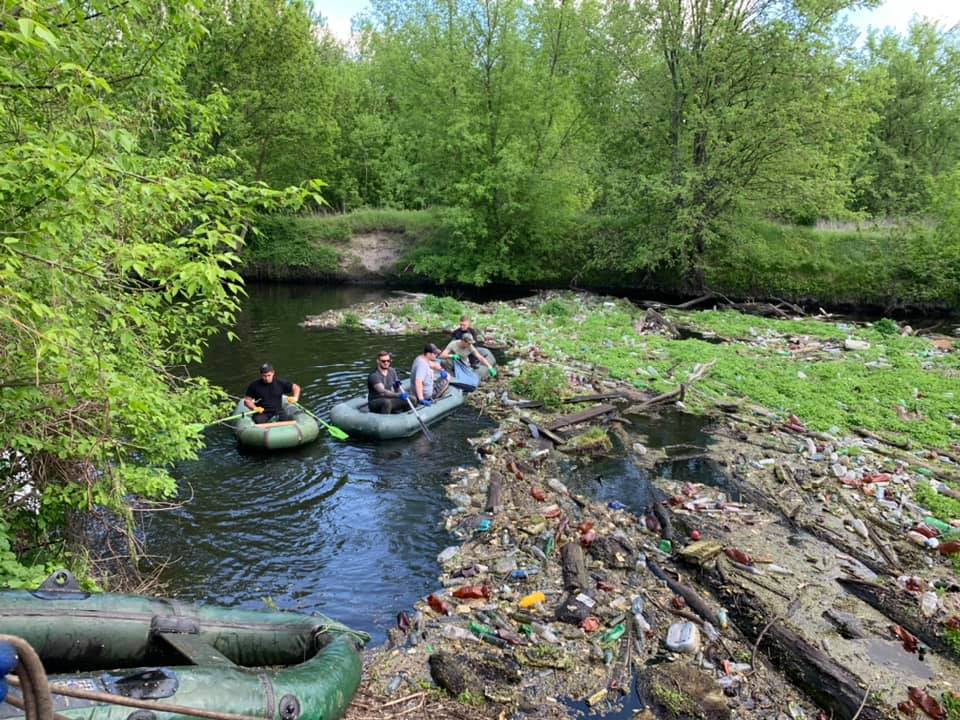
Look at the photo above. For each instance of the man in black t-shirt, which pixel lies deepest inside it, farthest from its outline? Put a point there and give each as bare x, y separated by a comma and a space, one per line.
384, 392
265, 396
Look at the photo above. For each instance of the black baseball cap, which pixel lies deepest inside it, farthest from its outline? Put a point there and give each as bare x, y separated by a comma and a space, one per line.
265, 368
430, 348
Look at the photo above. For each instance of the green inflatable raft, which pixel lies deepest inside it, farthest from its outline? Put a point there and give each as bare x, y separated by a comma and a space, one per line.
354, 417
270, 665
301, 430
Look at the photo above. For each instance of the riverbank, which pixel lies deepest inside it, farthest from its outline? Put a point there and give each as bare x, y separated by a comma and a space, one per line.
800, 570
871, 269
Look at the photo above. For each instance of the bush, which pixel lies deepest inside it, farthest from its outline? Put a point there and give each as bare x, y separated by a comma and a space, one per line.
543, 383
556, 308
886, 327
444, 306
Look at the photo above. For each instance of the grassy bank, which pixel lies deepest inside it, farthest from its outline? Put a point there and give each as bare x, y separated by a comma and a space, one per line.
886, 269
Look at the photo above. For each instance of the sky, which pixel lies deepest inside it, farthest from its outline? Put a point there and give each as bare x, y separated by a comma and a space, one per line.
892, 13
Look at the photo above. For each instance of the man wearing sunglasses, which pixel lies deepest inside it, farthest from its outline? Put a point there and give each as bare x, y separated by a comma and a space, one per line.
385, 394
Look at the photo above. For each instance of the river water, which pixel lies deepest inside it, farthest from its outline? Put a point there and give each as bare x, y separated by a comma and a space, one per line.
351, 529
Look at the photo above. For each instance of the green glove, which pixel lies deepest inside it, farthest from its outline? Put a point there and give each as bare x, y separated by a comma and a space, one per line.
492, 371
454, 356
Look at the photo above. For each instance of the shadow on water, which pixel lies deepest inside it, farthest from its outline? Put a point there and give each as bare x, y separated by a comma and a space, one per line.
349, 529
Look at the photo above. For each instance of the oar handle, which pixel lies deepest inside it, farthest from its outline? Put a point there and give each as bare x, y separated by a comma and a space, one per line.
423, 425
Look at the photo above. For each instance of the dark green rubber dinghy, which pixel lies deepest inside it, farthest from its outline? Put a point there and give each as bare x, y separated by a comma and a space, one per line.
301, 430
270, 665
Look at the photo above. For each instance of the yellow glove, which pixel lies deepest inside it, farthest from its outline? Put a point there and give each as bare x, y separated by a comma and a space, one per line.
291, 399
258, 409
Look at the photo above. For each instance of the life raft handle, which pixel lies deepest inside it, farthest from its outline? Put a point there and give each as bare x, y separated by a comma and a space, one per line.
61, 585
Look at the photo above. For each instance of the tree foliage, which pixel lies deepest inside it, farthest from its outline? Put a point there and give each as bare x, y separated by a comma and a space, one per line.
915, 83
729, 107
117, 256
488, 123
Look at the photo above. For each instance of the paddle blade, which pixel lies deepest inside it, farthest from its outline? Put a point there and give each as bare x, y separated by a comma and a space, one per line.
337, 433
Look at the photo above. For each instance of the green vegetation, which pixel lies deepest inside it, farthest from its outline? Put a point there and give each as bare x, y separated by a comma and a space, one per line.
940, 506
142, 148
594, 440
118, 261
542, 383
280, 250
676, 702
951, 700
901, 386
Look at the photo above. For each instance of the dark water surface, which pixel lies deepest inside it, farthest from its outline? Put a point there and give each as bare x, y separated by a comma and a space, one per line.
348, 529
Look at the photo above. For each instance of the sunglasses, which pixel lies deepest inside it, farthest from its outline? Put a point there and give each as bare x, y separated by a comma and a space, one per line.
385, 362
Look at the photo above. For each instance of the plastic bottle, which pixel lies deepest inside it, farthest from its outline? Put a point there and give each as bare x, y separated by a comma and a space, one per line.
665, 546
557, 486
455, 632
723, 618
936, 524
616, 505
950, 548
523, 573
438, 605
929, 604
711, 632
471, 592
613, 634
546, 633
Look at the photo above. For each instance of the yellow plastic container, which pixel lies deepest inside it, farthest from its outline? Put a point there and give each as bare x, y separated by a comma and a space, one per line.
532, 599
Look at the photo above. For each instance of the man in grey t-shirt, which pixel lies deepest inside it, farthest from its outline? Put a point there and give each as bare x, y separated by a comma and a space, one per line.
425, 390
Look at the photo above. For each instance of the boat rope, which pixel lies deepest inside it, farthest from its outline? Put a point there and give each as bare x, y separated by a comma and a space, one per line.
358, 636
31, 678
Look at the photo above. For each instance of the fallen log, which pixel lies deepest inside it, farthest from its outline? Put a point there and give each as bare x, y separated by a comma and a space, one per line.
761, 499
694, 601
903, 609
832, 686
582, 416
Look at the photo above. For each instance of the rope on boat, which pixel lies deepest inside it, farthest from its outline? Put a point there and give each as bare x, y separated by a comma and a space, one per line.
31, 678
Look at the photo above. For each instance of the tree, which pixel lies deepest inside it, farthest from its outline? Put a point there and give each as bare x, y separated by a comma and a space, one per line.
916, 86
279, 72
489, 124
746, 106
117, 257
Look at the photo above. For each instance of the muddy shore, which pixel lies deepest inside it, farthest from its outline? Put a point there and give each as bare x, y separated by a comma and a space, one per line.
814, 582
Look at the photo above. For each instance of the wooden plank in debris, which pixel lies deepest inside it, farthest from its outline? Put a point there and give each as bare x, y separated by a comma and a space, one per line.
595, 398
578, 417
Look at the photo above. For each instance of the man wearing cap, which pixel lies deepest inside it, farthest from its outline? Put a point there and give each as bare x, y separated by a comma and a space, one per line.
265, 396
424, 388
465, 348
